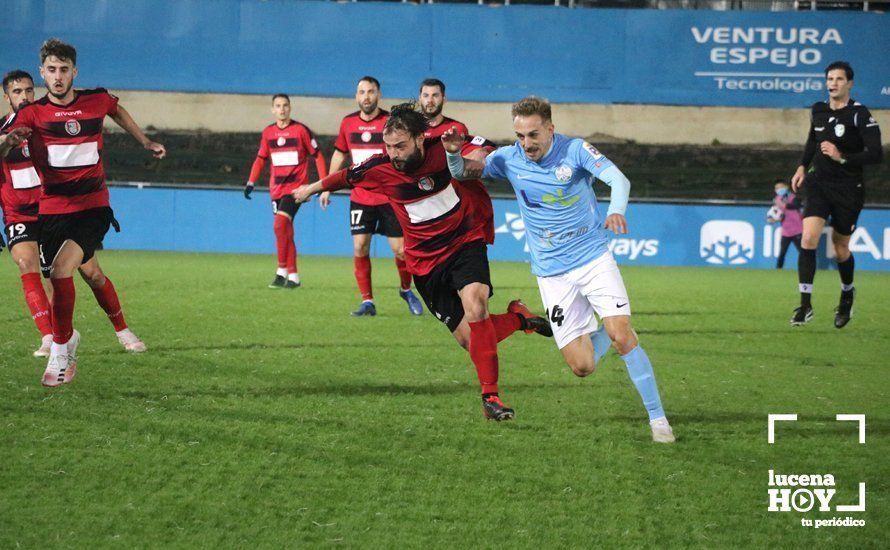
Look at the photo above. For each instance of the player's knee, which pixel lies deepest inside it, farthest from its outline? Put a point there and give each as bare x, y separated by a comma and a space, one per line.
624, 341
28, 265
810, 242
475, 310
93, 277
582, 366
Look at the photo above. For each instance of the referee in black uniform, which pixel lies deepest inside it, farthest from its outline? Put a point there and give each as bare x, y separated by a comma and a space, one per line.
843, 138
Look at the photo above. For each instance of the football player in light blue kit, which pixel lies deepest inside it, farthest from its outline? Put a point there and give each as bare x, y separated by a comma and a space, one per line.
568, 239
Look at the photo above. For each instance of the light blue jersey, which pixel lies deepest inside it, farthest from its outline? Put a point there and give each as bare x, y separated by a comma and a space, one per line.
563, 227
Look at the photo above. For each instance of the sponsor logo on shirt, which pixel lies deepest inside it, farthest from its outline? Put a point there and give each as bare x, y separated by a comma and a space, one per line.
593, 151
68, 113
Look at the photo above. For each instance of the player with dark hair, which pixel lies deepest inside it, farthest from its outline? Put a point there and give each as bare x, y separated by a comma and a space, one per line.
843, 138
447, 224
360, 137
64, 132
289, 144
19, 200
432, 101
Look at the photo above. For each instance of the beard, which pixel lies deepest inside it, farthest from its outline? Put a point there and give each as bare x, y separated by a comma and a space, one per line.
410, 164
368, 109
432, 111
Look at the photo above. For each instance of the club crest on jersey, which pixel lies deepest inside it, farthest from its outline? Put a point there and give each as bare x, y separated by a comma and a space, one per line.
281, 141
25, 151
426, 183
564, 173
366, 136
593, 151
839, 130
72, 127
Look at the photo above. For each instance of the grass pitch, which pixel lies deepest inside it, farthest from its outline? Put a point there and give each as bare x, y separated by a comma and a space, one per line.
272, 419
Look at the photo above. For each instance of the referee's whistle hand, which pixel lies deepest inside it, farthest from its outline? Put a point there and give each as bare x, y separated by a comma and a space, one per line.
616, 223
830, 150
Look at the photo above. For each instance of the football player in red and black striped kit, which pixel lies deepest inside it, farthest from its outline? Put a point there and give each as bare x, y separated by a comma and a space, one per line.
289, 144
361, 136
64, 133
432, 100
19, 200
447, 225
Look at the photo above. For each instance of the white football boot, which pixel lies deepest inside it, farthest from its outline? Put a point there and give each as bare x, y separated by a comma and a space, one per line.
45, 343
661, 431
62, 367
130, 341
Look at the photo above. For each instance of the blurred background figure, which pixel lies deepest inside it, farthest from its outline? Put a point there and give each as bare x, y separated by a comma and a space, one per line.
786, 210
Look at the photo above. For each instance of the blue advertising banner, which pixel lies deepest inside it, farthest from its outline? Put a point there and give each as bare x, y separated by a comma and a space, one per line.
483, 53
191, 220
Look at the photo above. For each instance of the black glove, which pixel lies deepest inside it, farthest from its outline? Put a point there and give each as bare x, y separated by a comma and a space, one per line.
248, 189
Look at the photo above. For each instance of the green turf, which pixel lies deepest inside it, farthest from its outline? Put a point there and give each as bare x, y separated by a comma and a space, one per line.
272, 419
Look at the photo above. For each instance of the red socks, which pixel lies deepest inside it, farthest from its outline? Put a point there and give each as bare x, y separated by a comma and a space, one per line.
37, 302
291, 249
280, 224
404, 274
363, 276
109, 302
505, 324
63, 309
484, 353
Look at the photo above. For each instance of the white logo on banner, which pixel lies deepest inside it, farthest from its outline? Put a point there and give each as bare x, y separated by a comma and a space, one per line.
727, 242
515, 226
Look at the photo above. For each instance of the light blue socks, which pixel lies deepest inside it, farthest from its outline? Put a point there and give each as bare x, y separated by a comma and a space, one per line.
601, 343
640, 370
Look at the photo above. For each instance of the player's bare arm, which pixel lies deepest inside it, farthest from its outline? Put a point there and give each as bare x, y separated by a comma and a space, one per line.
125, 121
13, 139
304, 192
798, 178
338, 161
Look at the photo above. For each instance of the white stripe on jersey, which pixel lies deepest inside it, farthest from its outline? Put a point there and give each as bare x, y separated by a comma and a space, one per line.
433, 206
24, 178
69, 156
361, 155
285, 158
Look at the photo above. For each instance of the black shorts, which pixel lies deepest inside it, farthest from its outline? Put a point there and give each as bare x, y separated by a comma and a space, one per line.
20, 232
839, 202
380, 219
286, 204
439, 287
86, 228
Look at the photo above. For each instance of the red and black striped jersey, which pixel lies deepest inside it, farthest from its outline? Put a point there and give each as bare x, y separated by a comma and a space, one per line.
20, 186
362, 139
66, 146
438, 214
437, 131
289, 149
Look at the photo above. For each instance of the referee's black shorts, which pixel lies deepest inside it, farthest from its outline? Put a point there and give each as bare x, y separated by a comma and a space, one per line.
837, 203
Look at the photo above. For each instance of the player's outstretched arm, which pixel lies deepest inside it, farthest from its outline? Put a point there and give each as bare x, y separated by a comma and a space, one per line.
462, 168
13, 139
125, 121
255, 170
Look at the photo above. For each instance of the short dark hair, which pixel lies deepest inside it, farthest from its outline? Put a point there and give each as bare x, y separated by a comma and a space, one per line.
57, 48
370, 79
407, 118
433, 82
276, 96
532, 105
12, 76
843, 65
780, 180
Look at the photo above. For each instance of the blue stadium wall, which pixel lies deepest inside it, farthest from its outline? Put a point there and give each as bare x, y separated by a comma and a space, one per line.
319, 48
191, 220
